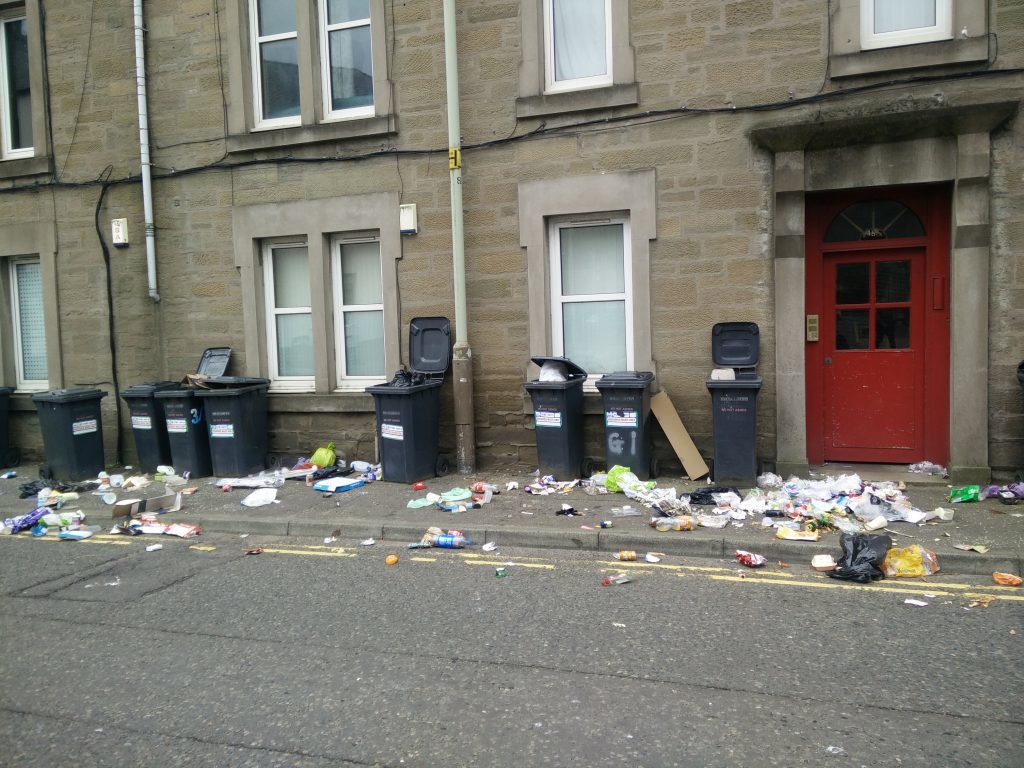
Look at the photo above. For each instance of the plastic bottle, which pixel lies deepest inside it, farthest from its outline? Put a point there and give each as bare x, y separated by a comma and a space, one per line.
681, 523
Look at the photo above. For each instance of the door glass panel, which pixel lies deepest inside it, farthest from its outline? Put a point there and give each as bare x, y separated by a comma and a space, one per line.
892, 281
892, 328
874, 220
853, 283
852, 329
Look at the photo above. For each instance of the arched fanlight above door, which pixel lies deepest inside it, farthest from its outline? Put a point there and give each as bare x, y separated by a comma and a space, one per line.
874, 220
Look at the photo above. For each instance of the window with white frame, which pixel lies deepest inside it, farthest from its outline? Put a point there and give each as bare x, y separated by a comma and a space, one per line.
29, 330
591, 294
345, 54
275, 57
15, 90
358, 311
289, 314
578, 44
887, 23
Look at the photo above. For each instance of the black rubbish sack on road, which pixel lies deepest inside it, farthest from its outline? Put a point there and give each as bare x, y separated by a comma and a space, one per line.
862, 556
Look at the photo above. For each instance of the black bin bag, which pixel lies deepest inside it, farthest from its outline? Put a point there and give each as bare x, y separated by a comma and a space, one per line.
862, 558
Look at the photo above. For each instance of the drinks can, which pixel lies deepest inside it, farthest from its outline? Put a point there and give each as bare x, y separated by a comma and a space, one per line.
626, 554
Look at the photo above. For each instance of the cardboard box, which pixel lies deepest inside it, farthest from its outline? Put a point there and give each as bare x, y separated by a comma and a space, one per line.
136, 507
677, 435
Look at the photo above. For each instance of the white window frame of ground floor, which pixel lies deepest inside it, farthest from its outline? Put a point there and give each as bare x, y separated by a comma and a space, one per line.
628, 196
17, 330
561, 300
345, 379
278, 382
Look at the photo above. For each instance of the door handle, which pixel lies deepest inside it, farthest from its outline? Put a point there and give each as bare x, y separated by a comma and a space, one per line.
828, 361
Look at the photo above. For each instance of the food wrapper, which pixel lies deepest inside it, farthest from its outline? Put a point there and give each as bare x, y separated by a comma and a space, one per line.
790, 535
750, 559
967, 493
909, 562
1006, 579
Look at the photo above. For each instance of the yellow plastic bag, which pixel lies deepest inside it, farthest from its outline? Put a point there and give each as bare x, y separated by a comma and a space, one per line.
910, 561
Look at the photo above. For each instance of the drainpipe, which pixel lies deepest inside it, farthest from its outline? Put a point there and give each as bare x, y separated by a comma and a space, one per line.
462, 356
147, 182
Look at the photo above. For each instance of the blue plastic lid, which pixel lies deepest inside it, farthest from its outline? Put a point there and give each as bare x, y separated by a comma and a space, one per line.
735, 345
430, 345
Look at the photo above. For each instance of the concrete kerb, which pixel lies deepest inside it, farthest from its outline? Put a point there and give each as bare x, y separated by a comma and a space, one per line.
681, 544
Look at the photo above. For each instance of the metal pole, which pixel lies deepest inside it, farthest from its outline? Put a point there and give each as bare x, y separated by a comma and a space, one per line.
462, 356
147, 183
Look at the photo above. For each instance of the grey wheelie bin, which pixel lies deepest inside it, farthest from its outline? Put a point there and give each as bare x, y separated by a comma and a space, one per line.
407, 407
236, 421
558, 419
626, 397
148, 425
72, 427
735, 350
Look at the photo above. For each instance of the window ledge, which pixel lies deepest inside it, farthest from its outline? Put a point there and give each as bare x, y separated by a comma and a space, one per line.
578, 101
25, 166
277, 138
943, 52
348, 402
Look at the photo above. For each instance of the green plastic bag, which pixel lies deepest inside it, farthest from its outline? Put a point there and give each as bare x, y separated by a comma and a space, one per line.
967, 493
324, 456
620, 479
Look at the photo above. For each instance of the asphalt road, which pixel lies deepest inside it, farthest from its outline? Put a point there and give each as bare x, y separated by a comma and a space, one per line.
320, 655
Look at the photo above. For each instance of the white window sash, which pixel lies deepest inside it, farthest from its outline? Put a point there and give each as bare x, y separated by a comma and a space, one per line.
869, 39
24, 385
278, 382
344, 380
325, 66
581, 83
7, 152
558, 301
256, 40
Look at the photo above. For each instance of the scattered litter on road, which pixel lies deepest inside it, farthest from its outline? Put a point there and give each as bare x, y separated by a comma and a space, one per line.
618, 624
154, 547
823, 563
500, 572
654, 557
750, 559
74, 535
391, 559
834, 751
330, 539
367, 542
910, 562
1006, 579
862, 557
615, 580
625, 554
919, 603
490, 546
981, 602
254, 551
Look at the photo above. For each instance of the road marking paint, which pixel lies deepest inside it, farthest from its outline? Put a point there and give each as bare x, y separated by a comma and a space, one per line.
516, 558
928, 589
423, 559
668, 567
546, 566
276, 551
202, 548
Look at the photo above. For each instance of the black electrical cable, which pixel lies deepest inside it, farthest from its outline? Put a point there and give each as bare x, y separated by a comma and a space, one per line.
542, 131
110, 318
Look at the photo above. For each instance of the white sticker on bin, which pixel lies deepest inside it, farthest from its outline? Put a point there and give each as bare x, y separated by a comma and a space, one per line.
621, 417
84, 427
222, 430
544, 417
177, 426
142, 422
392, 431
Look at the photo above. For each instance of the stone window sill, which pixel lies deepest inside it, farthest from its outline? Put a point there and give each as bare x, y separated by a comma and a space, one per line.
578, 101
348, 402
26, 166
281, 138
942, 53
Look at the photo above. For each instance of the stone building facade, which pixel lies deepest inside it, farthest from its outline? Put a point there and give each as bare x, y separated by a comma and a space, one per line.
712, 157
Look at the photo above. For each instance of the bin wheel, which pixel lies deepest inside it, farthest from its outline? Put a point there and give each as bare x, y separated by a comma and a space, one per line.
587, 467
45, 473
441, 466
653, 467
13, 457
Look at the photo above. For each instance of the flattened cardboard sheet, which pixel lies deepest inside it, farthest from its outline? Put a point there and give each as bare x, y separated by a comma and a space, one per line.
682, 443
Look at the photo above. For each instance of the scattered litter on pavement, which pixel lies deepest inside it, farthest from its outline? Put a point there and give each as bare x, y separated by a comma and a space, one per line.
74, 535
791, 535
182, 530
750, 559
261, 497
567, 510
262, 480
980, 548
511, 485
966, 493
367, 542
419, 485
654, 557
769, 480
435, 537
928, 468
1006, 579
919, 603
154, 547
625, 511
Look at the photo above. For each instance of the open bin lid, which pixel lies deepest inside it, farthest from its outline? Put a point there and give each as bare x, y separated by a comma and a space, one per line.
214, 361
735, 345
430, 345
572, 370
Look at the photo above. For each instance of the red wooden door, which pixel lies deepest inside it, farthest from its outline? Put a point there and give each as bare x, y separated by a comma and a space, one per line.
877, 281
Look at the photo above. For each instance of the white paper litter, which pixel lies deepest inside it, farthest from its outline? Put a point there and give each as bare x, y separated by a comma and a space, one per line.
154, 547
260, 497
490, 546
367, 542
